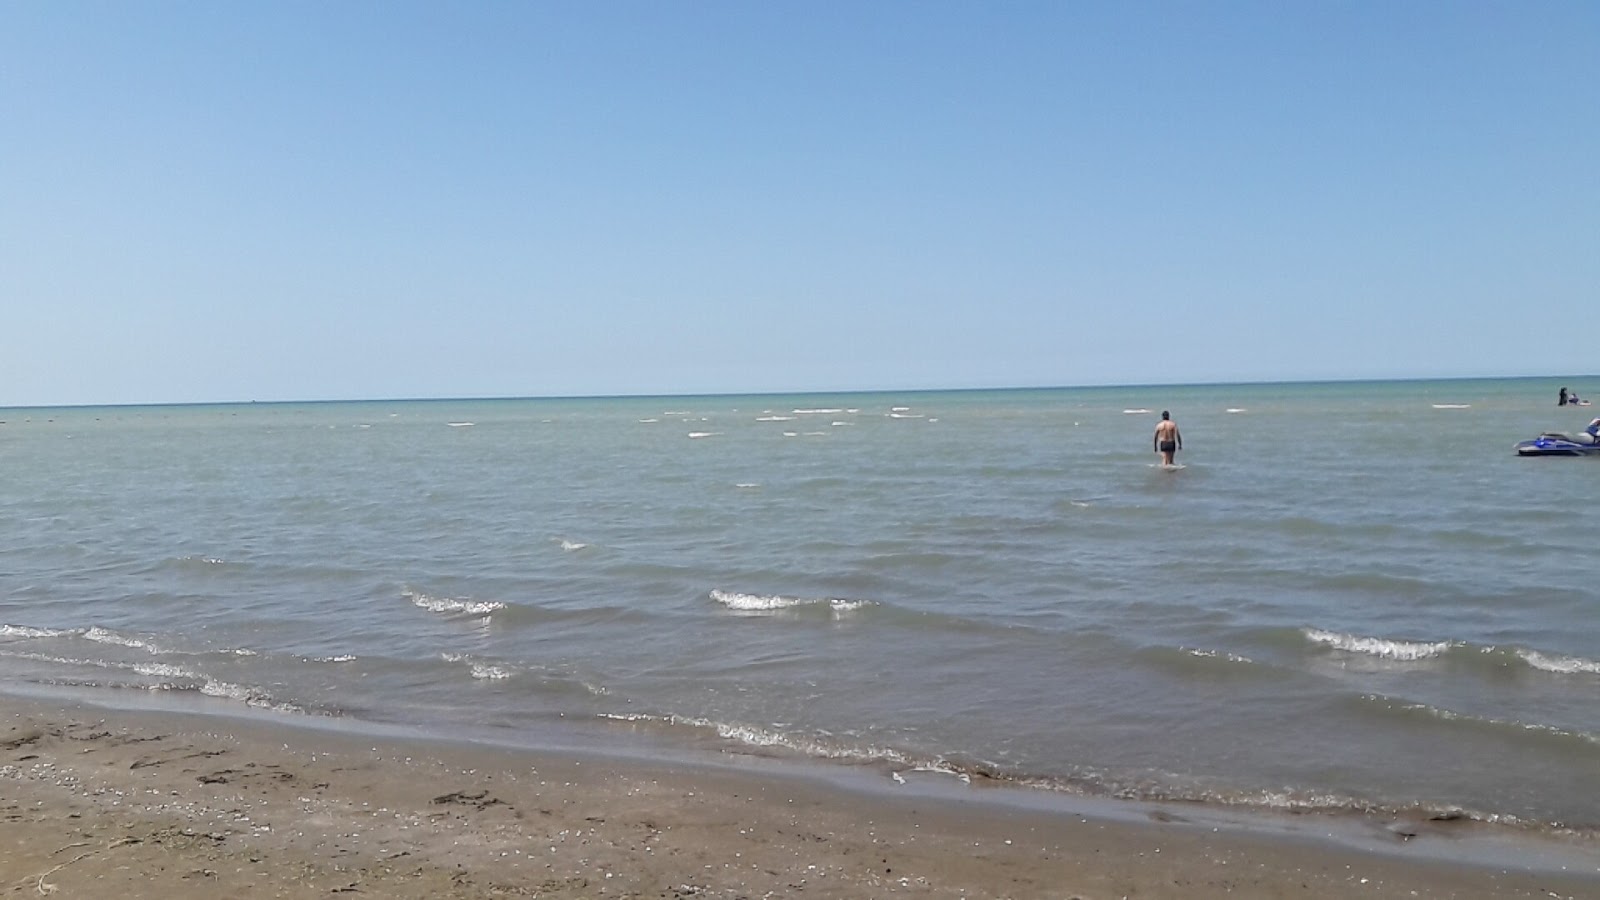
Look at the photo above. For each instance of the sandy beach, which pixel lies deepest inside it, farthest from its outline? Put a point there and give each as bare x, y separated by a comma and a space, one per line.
102, 803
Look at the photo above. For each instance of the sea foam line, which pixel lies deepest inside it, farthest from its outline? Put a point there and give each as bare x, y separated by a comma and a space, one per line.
1448, 715
1561, 665
480, 671
24, 631
170, 674
776, 602
1406, 651
756, 736
451, 605
106, 636
1217, 654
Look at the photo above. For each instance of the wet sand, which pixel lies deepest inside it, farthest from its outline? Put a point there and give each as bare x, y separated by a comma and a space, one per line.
102, 803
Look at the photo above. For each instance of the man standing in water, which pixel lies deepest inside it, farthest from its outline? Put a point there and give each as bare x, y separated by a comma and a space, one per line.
1168, 439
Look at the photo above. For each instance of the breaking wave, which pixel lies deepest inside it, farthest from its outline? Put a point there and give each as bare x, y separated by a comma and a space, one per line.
451, 605
756, 603
1405, 651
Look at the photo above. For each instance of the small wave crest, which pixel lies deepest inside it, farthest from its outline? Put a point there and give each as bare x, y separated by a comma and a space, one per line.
163, 670
1383, 648
758, 737
1083, 781
166, 678
1217, 654
451, 605
1561, 665
106, 636
249, 696
755, 603
24, 631
1486, 723
480, 670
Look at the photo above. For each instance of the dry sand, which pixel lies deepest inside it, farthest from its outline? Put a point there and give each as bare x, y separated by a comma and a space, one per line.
115, 804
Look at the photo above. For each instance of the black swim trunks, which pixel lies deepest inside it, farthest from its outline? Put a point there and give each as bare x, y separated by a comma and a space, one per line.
1169, 446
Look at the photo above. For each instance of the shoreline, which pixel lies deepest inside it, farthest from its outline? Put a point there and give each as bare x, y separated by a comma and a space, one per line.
189, 804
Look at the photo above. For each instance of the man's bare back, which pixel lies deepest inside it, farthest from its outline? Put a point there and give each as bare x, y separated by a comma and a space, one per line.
1168, 440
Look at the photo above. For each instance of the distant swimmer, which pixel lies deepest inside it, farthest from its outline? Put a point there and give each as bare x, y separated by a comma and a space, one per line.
1168, 440
1561, 398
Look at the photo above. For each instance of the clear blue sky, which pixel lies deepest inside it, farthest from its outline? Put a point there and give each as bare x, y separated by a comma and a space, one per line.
306, 200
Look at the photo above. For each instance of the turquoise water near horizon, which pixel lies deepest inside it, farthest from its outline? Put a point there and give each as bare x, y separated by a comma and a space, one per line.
1352, 596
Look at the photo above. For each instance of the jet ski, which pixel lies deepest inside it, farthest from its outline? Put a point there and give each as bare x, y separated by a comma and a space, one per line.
1554, 444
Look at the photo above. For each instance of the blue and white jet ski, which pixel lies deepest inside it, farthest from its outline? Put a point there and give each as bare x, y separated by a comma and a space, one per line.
1554, 444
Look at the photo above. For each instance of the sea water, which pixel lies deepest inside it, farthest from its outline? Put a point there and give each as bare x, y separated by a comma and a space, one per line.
1352, 595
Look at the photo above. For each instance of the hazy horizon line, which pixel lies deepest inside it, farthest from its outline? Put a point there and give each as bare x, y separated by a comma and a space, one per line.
790, 393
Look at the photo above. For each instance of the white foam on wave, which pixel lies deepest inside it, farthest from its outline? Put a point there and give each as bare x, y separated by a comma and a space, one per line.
1450, 715
775, 418
703, 434
1452, 406
162, 670
648, 421
27, 632
461, 424
755, 602
1561, 665
1405, 651
247, 695
747, 485
104, 636
571, 545
480, 671
776, 602
757, 736
900, 415
1236, 409
817, 412
1136, 412
449, 605
1217, 654
170, 674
